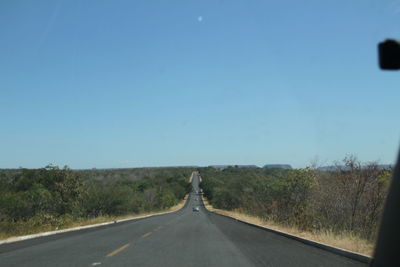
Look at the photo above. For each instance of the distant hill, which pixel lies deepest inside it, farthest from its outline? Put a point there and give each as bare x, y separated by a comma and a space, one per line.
277, 166
246, 166
221, 167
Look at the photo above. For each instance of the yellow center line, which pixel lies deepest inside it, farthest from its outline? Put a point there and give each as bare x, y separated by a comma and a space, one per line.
147, 234
118, 250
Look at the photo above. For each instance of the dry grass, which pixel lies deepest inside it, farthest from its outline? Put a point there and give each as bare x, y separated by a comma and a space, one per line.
27, 229
127, 217
345, 241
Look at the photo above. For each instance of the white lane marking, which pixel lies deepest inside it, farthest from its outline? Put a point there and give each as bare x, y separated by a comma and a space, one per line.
96, 263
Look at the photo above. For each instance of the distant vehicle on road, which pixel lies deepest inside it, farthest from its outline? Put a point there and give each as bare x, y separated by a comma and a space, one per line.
196, 199
196, 209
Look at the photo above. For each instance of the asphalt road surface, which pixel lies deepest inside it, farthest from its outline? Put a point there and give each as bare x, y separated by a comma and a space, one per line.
182, 238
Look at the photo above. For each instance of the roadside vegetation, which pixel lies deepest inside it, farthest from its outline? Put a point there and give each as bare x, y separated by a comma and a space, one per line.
340, 207
51, 198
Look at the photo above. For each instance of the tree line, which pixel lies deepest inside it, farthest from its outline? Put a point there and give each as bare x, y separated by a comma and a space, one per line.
349, 198
53, 197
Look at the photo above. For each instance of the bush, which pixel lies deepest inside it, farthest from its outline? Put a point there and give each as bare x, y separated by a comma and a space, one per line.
348, 199
50, 197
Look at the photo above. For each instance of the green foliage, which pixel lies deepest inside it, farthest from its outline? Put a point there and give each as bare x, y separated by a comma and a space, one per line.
51, 197
226, 199
347, 199
48, 190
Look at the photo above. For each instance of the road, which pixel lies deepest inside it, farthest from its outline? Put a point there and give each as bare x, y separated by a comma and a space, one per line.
182, 238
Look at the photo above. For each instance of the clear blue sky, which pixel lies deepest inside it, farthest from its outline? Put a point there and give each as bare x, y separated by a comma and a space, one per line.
106, 83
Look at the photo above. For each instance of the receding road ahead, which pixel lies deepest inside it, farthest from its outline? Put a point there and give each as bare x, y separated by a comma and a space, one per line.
183, 238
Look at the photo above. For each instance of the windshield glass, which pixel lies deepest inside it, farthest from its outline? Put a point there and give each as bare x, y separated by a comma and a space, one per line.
274, 112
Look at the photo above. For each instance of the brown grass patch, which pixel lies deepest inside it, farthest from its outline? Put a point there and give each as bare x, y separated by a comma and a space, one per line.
127, 217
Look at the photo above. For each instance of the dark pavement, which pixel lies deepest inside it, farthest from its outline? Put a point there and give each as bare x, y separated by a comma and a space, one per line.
182, 238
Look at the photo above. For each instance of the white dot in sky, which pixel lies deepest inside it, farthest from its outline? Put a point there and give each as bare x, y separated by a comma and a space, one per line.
200, 18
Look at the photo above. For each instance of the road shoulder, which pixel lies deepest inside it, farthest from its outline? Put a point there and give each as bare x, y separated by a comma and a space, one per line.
339, 251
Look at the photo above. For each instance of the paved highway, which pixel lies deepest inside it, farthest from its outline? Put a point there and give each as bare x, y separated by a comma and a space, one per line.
182, 238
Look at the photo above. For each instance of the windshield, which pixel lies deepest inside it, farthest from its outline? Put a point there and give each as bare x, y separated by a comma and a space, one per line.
274, 113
